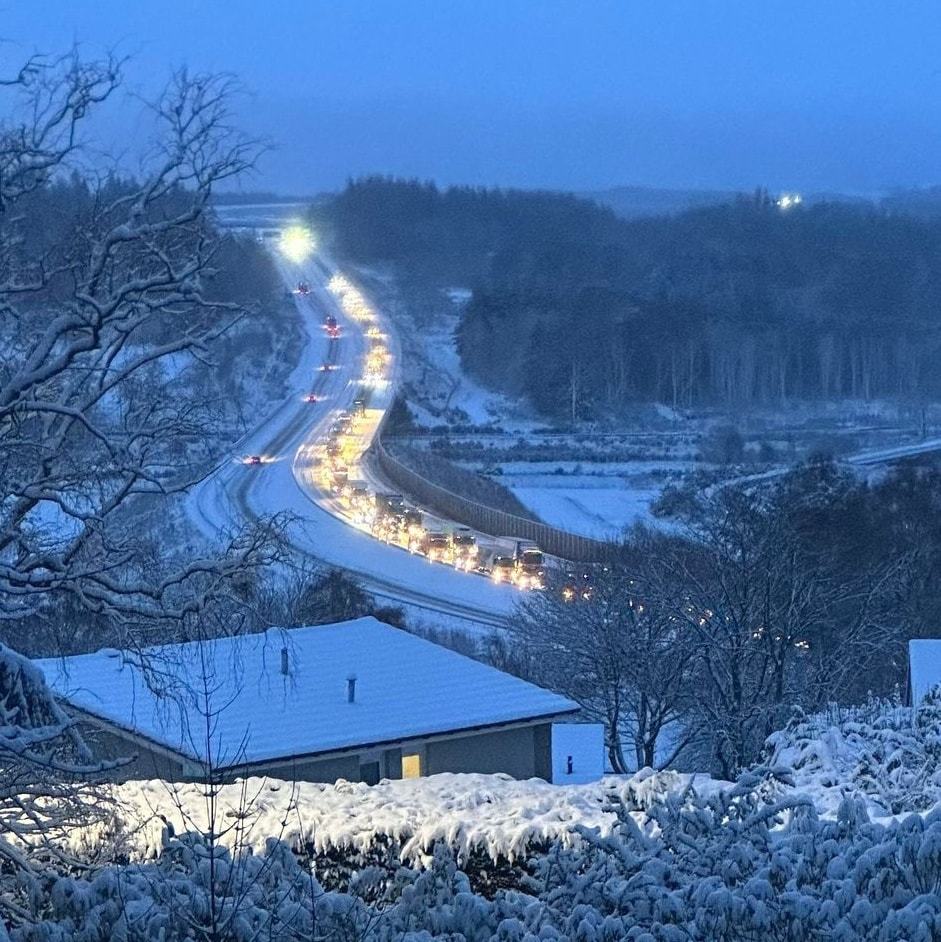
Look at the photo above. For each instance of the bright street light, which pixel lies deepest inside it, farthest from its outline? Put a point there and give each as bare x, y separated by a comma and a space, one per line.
787, 200
296, 243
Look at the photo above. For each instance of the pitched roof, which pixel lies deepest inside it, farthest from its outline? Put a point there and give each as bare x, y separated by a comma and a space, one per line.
924, 666
227, 699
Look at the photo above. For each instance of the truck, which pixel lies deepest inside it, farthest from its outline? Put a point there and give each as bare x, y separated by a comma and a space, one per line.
529, 566
388, 503
464, 549
339, 478
414, 530
436, 545
361, 504
387, 516
502, 568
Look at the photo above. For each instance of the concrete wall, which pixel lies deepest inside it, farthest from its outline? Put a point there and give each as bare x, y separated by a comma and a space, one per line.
149, 763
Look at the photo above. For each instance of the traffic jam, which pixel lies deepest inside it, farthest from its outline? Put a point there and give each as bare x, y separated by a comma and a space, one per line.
386, 515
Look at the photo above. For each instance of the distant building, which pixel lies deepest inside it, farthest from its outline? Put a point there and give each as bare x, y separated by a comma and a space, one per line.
358, 700
924, 668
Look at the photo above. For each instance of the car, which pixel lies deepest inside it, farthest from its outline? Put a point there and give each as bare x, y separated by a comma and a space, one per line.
254, 459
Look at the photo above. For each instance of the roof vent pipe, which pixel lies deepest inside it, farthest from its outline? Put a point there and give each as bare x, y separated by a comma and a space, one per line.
351, 689
284, 661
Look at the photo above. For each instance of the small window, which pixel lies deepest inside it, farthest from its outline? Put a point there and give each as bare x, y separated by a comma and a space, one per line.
411, 766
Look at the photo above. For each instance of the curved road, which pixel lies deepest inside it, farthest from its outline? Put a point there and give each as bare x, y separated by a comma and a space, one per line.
286, 480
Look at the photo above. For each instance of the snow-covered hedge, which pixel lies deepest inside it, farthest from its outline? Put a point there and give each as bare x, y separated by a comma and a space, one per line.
491, 814
889, 753
734, 866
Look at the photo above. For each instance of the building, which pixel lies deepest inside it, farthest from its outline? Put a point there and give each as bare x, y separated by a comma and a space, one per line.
358, 700
924, 668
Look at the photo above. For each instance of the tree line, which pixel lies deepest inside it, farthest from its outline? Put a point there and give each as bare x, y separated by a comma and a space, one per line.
692, 645
735, 305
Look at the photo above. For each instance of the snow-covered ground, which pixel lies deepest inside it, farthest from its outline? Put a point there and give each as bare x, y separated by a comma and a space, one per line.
586, 507
439, 392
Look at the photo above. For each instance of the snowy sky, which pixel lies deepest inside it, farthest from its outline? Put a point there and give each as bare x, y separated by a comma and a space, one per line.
844, 94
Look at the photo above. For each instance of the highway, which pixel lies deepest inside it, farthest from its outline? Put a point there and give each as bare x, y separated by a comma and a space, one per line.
290, 477
288, 443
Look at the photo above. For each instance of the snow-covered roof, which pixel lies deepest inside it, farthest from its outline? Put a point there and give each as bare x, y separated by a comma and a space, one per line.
405, 687
924, 666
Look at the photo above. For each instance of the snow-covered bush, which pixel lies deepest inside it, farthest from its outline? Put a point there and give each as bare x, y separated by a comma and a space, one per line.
47, 785
888, 752
736, 866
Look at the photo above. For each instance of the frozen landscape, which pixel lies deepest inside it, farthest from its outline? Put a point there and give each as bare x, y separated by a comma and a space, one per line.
414, 528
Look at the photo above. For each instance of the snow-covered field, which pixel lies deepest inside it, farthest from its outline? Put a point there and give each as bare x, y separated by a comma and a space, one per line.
586, 507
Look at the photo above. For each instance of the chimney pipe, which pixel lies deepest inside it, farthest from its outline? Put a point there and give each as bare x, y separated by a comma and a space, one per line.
284, 661
351, 689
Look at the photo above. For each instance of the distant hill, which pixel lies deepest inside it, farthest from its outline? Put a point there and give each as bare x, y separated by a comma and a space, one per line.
584, 312
924, 202
633, 201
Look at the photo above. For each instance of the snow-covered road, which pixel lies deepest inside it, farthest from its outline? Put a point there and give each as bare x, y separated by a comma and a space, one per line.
286, 481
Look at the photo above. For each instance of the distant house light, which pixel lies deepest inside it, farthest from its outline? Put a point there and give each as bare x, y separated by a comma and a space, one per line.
788, 200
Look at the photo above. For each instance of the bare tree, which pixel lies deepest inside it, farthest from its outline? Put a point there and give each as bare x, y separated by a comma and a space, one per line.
86, 437
774, 621
92, 311
624, 661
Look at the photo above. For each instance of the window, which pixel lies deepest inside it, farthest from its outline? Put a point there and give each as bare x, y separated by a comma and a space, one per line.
411, 766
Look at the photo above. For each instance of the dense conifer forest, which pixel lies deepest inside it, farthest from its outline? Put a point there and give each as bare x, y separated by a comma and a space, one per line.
738, 305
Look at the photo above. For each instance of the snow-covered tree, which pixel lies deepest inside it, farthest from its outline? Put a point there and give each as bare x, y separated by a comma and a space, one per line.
96, 305
774, 621
91, 310
46, 782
